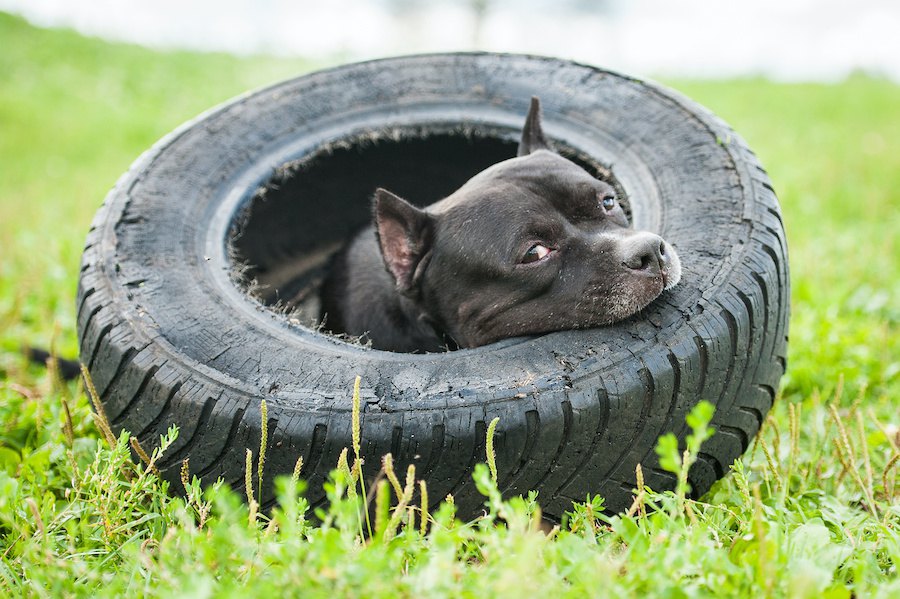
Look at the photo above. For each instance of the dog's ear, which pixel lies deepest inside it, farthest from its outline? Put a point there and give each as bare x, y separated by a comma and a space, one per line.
532, 133
405, 234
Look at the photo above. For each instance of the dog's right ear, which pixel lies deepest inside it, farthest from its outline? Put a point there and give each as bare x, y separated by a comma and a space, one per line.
405, 235
532, 133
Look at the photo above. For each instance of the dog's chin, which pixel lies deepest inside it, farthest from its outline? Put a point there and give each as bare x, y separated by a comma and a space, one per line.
673, 272
628, 305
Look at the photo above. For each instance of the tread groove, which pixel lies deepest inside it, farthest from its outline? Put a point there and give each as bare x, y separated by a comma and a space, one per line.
770, 391
731, 323
772, 254
765, 297
748, 304
88, 320
704, 361
120, 370
437, 444
317, 446
782, 362
566, 406
205, 413
754, 412
229, 442
396, 440
123, 413
602, 423
699, 487
676, 388
477, 447
162, 413
646, 406
713, 462
735, 432
84, 298
532, 424
97, 344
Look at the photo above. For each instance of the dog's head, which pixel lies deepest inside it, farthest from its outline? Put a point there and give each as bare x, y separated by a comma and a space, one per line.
530, 245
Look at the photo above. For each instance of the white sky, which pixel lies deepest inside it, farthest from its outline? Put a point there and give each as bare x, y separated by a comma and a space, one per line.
782, 39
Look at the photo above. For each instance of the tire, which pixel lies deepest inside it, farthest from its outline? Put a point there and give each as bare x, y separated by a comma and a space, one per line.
277, 178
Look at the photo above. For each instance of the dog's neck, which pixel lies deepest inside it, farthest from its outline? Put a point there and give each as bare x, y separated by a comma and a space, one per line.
414, 330
365, 298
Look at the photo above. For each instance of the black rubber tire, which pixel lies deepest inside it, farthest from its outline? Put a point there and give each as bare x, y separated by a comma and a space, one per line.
169, 338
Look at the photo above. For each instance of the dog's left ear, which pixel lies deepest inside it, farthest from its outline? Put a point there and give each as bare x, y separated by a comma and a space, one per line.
405, 235
532, 134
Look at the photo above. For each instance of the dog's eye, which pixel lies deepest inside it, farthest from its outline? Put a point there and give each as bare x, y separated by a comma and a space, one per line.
535, 253
608, 202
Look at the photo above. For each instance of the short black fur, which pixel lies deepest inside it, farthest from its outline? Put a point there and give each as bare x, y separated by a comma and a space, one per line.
530, 245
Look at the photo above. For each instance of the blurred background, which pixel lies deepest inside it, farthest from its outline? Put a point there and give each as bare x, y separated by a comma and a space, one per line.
783, 40
812, 85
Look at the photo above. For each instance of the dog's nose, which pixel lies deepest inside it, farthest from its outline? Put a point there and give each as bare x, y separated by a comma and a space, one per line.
646, 252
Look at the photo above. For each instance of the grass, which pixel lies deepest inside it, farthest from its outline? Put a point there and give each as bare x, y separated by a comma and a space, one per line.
812, 510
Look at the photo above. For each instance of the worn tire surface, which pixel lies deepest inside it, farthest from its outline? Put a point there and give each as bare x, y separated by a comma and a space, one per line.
170, 339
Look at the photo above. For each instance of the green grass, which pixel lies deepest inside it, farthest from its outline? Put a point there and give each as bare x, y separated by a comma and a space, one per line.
812, 510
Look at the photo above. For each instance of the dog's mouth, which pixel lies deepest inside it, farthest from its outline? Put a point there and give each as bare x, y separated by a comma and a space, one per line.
671, 274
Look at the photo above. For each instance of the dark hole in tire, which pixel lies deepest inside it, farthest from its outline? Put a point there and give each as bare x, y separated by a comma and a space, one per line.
283, 237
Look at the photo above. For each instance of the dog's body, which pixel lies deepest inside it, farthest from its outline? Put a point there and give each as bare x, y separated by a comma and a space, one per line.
530, 245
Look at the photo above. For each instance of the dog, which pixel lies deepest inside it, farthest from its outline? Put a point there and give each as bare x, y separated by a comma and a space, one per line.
530, 245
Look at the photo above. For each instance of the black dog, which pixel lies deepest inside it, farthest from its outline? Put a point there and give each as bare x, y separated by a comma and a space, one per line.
530, 245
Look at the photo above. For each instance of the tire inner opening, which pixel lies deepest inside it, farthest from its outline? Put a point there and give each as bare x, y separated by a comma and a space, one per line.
282, 238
